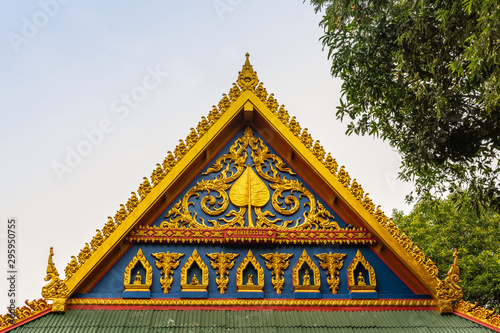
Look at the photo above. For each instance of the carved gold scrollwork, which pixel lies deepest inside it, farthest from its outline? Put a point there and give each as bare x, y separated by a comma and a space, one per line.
130, 274
332, 263
272, 103
71, 268
277, 263
84, 254
480, 313
222, 262
448, 290
310, 280
203, 126
6, 320
261, 92
56, 288
167, 262
97, 240
431, 267
109, 227
21, 313
357, 283
249, 193
331, 164
132, 202
196, 283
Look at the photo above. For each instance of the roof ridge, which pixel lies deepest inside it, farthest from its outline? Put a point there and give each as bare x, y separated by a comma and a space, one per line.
248, 80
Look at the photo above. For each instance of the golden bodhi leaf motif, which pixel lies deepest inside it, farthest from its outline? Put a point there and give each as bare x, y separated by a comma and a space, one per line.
249, 181
249, 190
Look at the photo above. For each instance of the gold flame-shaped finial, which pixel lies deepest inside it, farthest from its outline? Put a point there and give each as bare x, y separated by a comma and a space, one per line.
247, 78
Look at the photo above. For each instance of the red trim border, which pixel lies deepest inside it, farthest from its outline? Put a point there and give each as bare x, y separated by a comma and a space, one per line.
478, 321
27, 320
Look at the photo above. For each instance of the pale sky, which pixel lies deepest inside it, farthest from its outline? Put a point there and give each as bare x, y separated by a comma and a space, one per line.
142, 73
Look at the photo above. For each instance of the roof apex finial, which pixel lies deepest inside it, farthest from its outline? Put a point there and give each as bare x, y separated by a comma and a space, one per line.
247, 77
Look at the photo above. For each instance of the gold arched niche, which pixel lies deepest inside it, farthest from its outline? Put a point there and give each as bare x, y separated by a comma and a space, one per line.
140, 283
252, 286
357, 284
311, 283
194, 284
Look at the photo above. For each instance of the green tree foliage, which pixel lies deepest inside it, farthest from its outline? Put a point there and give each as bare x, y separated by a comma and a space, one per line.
425, 76
439, 226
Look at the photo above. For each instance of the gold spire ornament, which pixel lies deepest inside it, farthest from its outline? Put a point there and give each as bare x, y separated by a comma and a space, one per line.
247, 78
56, 289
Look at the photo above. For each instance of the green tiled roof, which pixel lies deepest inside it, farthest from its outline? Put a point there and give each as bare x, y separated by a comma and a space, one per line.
96, 321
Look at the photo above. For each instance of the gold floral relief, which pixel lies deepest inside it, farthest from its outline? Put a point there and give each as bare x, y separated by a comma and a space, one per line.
222, 262
358, 283
277, 263
332, 263
310, 279
132, 280
249, 176
167, 262
249, 282
199, 283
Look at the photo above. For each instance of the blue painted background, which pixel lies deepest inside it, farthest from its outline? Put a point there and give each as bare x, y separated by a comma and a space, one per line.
388, 283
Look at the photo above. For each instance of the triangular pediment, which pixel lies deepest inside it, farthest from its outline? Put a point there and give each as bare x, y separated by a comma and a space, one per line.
250, 187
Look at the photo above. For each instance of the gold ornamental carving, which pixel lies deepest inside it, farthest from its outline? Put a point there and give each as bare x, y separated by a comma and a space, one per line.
249, 282
277, 263
332, 263
56, 288
256, 302
448, 290
199, 283
132, 280
247, 78
358, 283
222, 262
310, 280
25, 312
250, 191
249, 182
167, 262
473, 310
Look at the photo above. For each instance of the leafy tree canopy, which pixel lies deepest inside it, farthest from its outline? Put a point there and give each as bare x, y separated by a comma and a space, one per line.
425, 76
438, 226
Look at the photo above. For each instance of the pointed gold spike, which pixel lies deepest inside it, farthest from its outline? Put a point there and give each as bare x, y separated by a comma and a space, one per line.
247, 78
